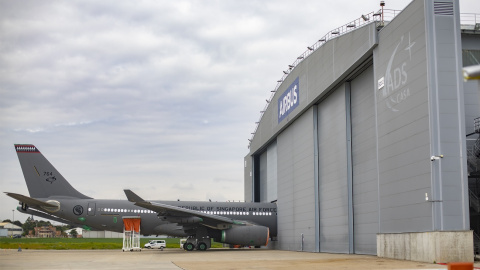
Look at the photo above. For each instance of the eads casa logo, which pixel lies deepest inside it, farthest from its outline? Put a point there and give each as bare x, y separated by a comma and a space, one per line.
393, 85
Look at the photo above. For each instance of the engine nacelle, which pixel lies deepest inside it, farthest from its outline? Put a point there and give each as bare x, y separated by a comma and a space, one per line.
246, 235
51, 209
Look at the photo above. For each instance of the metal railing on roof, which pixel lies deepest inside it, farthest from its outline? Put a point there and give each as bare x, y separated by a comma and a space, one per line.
469, 18
339, 31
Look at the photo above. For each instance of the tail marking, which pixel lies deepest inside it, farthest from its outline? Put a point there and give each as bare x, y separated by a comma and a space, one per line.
26, 148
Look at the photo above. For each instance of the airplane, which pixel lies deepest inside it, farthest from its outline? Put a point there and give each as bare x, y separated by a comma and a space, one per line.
52, 197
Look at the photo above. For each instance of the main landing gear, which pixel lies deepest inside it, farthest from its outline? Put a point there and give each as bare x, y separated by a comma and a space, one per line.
198, 244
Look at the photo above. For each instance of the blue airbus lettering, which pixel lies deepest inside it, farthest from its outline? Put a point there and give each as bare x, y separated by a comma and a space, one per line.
288, 101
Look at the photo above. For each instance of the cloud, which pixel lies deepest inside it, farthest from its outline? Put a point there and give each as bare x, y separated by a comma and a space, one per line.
146, 94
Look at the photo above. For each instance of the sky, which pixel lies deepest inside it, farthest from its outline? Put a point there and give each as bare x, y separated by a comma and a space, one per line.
159, 96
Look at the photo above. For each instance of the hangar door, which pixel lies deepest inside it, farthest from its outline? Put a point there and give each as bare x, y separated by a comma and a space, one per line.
268, 174
332, 173
364, 163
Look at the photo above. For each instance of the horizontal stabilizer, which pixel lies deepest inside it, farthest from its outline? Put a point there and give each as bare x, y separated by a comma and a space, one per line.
30, 201
30, 211
132, 197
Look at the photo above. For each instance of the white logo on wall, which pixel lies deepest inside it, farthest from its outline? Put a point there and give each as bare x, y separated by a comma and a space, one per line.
393, 84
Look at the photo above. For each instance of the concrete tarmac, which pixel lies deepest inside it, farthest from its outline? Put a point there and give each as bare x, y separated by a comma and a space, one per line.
175, 259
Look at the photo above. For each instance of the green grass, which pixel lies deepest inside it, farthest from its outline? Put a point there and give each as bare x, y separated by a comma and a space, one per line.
80, 243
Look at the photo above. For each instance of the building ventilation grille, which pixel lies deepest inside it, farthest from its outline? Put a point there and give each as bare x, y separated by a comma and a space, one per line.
443, 8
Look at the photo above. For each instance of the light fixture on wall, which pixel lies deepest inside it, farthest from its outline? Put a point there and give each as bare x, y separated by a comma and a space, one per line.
433, 158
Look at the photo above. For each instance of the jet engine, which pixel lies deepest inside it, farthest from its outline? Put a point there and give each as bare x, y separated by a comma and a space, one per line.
246, 235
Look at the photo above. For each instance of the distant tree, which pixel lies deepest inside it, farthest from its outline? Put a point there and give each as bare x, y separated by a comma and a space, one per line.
28, 225
18, 223
74, 233
41, 223
7, 220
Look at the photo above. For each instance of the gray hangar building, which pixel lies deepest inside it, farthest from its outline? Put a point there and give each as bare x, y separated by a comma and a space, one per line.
369, 142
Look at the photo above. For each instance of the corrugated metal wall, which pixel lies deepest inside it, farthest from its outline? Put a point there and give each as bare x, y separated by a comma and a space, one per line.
296, 199
364, 163
332, 173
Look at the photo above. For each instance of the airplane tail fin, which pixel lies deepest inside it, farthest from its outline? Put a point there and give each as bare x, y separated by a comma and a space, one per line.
42, 179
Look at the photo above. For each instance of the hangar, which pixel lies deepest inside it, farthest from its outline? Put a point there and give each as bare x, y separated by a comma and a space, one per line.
370, 142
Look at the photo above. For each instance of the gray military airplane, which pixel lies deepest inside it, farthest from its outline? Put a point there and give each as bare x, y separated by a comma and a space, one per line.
52, 197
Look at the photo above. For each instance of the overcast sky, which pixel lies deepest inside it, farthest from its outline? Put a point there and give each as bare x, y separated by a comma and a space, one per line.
156, 96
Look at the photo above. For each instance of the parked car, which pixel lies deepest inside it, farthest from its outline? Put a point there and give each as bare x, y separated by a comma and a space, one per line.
160, 244
17, 236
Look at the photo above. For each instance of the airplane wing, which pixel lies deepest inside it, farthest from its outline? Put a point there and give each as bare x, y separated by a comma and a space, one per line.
30, 201
170, 210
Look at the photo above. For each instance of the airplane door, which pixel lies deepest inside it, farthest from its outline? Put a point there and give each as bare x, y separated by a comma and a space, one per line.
91, 209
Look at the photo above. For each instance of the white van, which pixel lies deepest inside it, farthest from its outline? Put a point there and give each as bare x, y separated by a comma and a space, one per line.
160, 244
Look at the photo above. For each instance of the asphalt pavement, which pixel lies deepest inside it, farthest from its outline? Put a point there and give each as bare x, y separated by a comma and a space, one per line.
174, 259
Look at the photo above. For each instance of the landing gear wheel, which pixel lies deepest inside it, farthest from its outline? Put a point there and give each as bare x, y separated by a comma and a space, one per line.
189, 246
202, 246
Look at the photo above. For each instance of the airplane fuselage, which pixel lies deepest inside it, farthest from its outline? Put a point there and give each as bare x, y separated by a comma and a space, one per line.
108, 214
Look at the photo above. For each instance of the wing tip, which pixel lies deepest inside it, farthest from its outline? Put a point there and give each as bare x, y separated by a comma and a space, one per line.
132, 197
